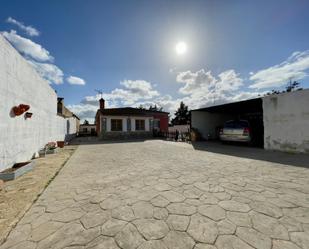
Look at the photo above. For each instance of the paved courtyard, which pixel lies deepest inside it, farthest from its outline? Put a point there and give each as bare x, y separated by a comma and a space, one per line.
157, 194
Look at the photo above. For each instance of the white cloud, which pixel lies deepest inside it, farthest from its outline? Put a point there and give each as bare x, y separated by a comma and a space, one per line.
50, 72
140, 88
295, 67
243, 95
202, 88
132, 91
195, 81
31, 31
73, 80
199, 89
40, 59
27, 47
91, 100
166, 102
228, 81
84, 111
204, 80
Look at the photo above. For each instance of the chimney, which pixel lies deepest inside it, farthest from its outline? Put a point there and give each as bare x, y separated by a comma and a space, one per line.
102, 103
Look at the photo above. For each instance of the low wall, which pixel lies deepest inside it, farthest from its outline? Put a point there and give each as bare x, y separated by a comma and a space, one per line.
180, 128
20, 138
119, 135
286, 121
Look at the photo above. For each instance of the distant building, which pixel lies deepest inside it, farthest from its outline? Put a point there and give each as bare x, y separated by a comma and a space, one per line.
87, 130
72, 122
129, 122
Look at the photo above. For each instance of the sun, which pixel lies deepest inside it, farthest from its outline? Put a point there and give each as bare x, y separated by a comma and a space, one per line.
181, 48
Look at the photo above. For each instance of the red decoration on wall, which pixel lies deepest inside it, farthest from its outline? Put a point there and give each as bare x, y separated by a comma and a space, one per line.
18, 110
28, 115
24, 107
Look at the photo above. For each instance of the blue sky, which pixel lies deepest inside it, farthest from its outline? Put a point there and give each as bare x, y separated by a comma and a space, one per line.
235, 49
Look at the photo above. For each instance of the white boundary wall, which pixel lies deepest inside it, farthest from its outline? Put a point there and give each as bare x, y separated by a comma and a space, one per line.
20, 138
286, 121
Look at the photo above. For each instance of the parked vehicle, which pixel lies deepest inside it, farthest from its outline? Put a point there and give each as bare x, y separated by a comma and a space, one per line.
236, 131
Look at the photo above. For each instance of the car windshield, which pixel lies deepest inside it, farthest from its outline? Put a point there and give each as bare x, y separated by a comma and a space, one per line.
236, 124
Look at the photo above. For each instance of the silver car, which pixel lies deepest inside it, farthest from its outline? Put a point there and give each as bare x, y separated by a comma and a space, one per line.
236, 131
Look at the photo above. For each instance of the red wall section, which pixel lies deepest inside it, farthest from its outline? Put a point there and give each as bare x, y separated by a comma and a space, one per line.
163, 120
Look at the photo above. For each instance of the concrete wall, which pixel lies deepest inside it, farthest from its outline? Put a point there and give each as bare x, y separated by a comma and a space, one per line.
286, 121
206, 123
20, 138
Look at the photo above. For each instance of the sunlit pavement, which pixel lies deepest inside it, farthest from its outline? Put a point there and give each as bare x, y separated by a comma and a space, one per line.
157, 194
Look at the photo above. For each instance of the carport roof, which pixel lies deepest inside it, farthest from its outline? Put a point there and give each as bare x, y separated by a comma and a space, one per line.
245, 106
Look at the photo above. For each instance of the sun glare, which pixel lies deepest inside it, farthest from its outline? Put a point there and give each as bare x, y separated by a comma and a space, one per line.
181, 48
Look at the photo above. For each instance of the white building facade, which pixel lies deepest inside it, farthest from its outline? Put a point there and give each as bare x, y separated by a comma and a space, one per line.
21, 137
128, 123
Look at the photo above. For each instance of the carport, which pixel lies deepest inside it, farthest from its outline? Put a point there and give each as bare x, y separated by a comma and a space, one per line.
209, 120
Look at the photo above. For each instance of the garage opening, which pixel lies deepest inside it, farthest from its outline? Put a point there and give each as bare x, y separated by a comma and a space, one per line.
208, 121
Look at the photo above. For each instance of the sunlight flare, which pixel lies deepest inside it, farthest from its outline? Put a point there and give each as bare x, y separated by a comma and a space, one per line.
181, 48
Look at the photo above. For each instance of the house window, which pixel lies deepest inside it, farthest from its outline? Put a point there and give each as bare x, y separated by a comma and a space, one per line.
156, 124
140, 125
103, 125
85, 130
116, 124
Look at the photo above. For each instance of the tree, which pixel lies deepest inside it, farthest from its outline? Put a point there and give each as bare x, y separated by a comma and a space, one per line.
182, 115
86, 122
155, 108
291, 86
141, 107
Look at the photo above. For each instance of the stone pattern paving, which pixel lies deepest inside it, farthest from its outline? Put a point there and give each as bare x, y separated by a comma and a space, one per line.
18, 195
155, 194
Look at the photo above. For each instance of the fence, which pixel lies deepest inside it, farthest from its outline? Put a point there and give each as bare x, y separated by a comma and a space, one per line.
180, 136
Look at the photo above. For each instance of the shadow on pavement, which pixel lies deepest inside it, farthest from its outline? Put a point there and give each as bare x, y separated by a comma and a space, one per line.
238, 150
299, 160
